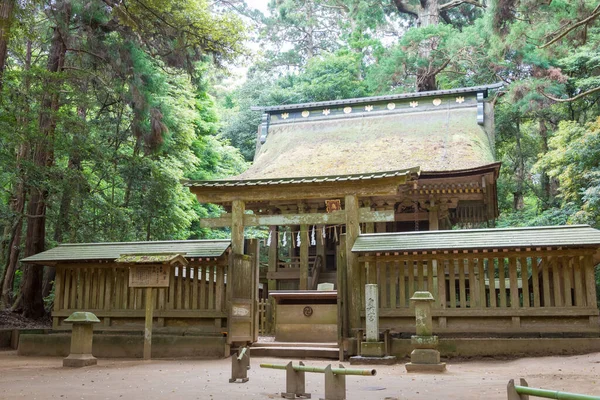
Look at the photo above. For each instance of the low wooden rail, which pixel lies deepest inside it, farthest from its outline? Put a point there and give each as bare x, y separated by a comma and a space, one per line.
335, 379
523, 391
321, 370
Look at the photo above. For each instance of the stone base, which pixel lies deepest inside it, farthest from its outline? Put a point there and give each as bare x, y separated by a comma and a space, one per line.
79, 360
360, 360
372, 349
425, 356
296, 396
411, 367
424, 342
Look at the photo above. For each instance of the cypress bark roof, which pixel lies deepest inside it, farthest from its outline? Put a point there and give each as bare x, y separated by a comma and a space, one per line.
472, 239
441, 139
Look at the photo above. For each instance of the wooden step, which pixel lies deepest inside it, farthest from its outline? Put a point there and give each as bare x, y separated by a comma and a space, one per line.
329, 345
295, 350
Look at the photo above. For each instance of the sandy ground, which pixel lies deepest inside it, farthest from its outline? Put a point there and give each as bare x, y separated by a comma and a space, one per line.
44, 378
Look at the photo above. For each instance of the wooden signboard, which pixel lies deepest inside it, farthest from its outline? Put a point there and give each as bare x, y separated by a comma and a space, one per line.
150, 271
149, 275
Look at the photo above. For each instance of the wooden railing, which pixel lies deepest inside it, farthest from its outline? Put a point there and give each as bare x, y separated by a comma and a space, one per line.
195, 292
291, 269
314, 273
263, 325
478, 284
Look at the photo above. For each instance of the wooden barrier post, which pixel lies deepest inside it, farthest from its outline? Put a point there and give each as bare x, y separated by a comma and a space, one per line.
148, 323
151, 271
240, 365
511, 392
295, 383
335, 385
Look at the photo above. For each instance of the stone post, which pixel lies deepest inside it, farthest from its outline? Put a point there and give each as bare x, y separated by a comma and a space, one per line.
373, 351
425, 357
372, 347
372, 312
81, 340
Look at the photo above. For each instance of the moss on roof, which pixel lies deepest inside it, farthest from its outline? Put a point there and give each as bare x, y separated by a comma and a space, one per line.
435, 140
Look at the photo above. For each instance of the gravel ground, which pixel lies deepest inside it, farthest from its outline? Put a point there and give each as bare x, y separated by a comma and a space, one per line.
44, 378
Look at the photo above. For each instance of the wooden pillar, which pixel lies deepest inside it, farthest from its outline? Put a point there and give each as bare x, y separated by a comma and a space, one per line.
254, 252
342, 289
273, 256
434, 219
321, 246
304, 257
434, 225
237, 226
148, 323
354, 288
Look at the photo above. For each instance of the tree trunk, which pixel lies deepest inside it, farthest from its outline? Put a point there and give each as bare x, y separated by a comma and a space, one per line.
43, 158
547, 195
6, 18
518, 200
429, 14
72, 185
14, 248
18, 205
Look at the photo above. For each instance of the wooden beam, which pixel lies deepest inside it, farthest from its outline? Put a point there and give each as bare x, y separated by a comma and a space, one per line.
286, 273
306, 190
224, 221
366, 215
334, 218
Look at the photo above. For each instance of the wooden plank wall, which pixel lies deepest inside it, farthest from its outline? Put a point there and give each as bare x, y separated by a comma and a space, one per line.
196, 291
489, 280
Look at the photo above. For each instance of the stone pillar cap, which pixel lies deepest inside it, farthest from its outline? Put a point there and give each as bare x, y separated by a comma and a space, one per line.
82, 317
422, 296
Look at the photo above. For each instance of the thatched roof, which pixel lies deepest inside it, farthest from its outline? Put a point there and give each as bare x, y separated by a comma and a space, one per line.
435, 139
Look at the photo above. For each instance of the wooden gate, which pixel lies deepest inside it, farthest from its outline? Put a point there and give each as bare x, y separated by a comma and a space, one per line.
243, 300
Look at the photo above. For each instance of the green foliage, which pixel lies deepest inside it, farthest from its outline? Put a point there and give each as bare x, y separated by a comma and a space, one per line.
134, 119
573, 161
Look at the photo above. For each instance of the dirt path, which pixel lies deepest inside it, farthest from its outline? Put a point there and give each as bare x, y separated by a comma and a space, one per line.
44, 378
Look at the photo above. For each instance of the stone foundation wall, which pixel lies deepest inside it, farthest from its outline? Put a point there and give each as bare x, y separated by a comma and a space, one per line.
126, 346
5, 338
497, 347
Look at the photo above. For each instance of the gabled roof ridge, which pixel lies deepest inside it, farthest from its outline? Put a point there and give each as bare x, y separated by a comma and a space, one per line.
359, 100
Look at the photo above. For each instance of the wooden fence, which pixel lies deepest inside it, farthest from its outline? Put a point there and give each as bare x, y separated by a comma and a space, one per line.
535, 290
263, 323
195, 297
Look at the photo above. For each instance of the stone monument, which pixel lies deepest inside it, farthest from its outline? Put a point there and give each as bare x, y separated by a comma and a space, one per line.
81, 340
425, 357
373, 351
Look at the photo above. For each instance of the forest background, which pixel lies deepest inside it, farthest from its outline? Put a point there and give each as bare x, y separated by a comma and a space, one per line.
105, 105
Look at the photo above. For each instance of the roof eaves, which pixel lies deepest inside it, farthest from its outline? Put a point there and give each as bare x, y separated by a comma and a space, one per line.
298, 180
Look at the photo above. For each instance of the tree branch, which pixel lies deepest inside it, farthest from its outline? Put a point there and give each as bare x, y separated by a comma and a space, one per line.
580, 95
594, 15
456, 3
404, 7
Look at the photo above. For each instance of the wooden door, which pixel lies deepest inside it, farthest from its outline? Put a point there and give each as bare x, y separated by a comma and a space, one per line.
243, 300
